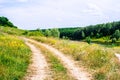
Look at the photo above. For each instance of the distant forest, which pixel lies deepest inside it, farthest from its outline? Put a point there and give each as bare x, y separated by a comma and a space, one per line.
94, 31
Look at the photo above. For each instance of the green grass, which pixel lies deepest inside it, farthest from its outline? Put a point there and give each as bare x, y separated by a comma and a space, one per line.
33, 33
12, 31
19, 32
106, 42
98, 59
59, 72
14, 58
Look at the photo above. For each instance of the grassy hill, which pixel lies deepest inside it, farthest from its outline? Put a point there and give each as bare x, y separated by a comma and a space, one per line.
14, 54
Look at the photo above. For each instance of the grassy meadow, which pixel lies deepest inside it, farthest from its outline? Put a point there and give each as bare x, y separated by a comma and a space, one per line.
100, 60
14, 57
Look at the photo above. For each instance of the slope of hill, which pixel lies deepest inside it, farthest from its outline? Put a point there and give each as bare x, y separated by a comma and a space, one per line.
12, 31
14, 57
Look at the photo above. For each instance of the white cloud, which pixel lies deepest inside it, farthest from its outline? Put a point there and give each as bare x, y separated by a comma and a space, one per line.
94, 10
30, 14
22, 0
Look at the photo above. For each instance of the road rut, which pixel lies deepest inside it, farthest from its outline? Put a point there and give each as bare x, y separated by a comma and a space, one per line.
38, 69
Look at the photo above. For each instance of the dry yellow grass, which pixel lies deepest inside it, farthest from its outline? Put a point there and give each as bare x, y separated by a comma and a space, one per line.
99, 59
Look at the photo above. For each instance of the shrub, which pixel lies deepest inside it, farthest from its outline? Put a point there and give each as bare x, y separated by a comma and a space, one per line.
114, 40
88, 40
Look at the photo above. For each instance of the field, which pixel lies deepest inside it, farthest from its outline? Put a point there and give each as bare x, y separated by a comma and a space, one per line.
100, 60
55, 42
14, 58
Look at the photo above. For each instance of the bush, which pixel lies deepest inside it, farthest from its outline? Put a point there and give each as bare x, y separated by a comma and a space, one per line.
88, 40
114, 40
25, 33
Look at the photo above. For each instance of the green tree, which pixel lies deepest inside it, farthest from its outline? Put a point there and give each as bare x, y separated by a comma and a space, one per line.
10, 24
97, 35
5, 22
83, 34
108, 26
47, 33
116, 34
55, 32
92, 34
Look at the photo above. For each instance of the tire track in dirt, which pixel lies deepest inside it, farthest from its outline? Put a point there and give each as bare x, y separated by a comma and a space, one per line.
76, 72
117, 55
38, 69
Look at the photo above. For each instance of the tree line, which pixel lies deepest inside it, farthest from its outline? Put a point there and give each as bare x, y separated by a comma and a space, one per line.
93, 31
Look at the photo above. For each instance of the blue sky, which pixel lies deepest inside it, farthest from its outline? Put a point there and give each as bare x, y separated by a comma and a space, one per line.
33, 14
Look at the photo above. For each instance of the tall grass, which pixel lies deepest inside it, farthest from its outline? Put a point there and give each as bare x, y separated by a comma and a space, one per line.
99, 59
14, 58
58, 71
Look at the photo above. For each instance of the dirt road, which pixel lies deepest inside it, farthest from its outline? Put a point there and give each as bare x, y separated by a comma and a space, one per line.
74, 70
118, 56
38, 69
